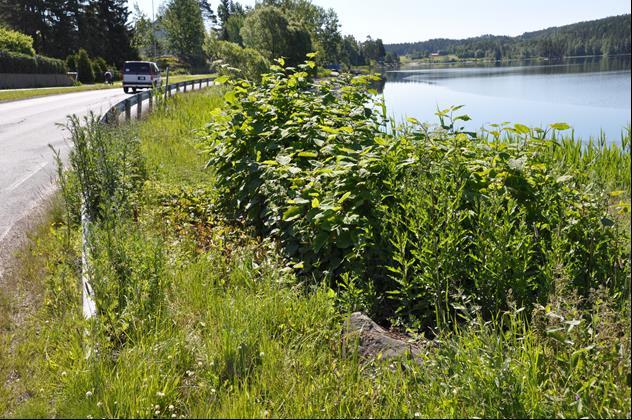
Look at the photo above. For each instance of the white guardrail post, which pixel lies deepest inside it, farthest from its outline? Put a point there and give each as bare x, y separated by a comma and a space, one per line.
111, 117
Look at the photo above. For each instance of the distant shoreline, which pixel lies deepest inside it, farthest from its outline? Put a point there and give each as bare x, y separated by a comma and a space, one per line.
505, 60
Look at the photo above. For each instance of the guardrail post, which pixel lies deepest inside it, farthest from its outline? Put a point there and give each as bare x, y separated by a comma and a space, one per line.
128, 110
208, 81
139, 106
177, 87
151, 101
185, 86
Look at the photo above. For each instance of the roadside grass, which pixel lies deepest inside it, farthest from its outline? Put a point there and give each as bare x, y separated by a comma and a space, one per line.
14, 95
213, 323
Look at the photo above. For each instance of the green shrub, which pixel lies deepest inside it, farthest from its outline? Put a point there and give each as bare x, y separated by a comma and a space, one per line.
249, 62
176, 66
84, 67
409, 214
11, 62
99, 67
17, 42
71, 62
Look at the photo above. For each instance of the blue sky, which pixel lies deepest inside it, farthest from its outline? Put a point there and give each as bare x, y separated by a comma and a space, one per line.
419, 20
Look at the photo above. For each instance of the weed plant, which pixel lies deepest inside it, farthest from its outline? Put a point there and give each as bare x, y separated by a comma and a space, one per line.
412, 215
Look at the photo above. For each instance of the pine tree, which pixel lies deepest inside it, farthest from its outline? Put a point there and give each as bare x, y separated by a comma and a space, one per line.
105, 32
223, 14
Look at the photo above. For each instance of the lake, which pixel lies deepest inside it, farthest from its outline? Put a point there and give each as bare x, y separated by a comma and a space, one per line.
592, 94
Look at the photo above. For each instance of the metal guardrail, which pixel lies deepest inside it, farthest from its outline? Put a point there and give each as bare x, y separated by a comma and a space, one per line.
112, 117
125, 106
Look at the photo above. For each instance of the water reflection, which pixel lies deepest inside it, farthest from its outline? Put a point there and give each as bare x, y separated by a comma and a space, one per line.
590, 93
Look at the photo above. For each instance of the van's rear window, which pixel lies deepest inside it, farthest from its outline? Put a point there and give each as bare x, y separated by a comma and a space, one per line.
137, 68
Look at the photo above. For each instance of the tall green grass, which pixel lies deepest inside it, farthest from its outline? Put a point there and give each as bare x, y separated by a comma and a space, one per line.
199, 317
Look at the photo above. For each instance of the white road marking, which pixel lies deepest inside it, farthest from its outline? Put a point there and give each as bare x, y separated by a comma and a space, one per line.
21, 181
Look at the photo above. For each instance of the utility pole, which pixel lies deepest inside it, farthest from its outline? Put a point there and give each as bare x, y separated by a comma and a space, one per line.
153, 27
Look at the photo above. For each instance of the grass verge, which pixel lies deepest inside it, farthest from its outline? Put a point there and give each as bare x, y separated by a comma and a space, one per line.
19, 94
203, 319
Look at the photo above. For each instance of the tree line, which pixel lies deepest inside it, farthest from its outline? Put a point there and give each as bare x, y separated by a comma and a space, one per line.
607, 36
60, 28
194, 32
238, 33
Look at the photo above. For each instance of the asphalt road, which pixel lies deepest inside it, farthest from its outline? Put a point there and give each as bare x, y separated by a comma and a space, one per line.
27, 164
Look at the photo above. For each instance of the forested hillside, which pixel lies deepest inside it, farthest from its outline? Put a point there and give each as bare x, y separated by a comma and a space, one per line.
603, 36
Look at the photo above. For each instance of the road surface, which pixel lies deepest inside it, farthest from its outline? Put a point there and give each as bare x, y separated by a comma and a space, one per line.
27, 164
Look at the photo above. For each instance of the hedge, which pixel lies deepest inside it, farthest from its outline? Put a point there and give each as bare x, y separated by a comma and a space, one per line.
11, 62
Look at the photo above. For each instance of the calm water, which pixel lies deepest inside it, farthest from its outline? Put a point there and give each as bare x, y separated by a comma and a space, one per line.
591, 94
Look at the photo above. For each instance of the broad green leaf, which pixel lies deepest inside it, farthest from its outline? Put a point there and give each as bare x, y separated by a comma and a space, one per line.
315, 203
292, 212
521, 129
221, 80
330, 130
308, 154
230, 97
560, 126
283, 159
344, 197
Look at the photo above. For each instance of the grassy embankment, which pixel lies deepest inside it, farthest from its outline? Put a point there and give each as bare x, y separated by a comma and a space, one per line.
200, 317
14, 95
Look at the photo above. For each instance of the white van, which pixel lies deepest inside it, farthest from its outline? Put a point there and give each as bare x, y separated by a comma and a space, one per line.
140, 74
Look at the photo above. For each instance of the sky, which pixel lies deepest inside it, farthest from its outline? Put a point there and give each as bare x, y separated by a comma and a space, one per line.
418, 20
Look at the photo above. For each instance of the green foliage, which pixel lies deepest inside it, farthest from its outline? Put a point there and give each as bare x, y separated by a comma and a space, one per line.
247, 61
99, 67
106, 172
144, 38
610, 35
416, 214
176, 66
84, 67
268, 31
223, 329
233, 28
17, 42
71, 62
21, 63
61, 27
185, 30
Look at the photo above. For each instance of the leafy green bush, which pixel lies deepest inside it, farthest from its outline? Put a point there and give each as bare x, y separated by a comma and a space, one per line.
249, 62
11, 62
71, 62
17, 42
84, 67
176, 66
410, 214
99, 67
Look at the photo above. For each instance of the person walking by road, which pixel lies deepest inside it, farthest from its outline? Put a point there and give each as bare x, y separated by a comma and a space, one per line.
108, 77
